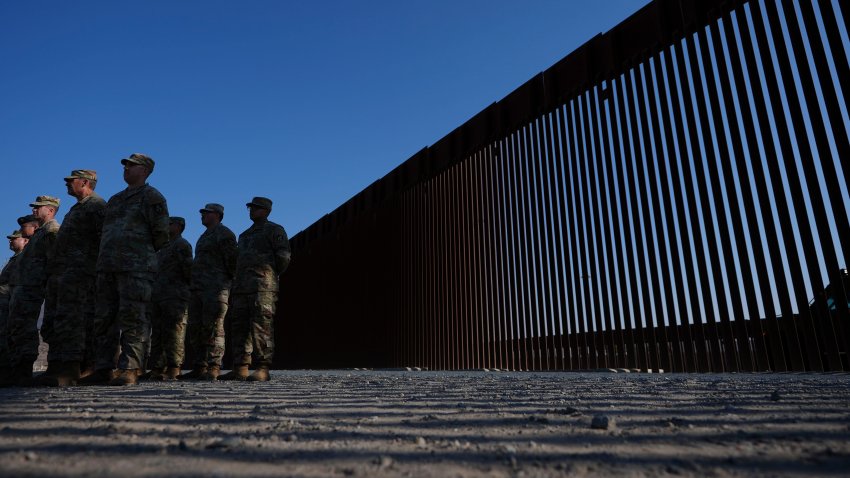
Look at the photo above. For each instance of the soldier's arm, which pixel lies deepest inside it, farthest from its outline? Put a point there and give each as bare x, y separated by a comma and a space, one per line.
282, 252
230, 252
186, 260
98, 215
158, 220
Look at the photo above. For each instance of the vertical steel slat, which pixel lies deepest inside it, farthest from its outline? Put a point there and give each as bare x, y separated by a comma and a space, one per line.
715, 358
443, 277
591, 219
679, 328
695, 331
538, 223
493, 297
522, 269
838, 130
580, 172
630, 307
810, 327
758, 177
650, 208
500, 254
514, 249
830, 174
612, 230
466, 294
455, 244
646, 356
776, 169
546, 164
578, 329
839, 54
728, 351
481, 315
548, 237
510, 250
749, 296
600, 207
657, 174
559, 252
569, 336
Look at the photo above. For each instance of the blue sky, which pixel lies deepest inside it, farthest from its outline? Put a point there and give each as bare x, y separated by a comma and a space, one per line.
304, 102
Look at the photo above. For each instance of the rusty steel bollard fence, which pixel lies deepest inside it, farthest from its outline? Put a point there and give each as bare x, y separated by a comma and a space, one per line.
673, 195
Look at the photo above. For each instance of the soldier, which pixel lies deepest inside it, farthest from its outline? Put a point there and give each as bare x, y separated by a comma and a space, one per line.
212, 275
28, 283
263, 256
16, 243
29, 224
135, 227
69, 298
170, 303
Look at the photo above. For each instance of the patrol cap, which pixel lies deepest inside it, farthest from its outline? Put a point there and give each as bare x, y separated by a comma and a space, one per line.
141, 159
213, 207
261, 202
89, 174
177, 220
14, 235
27, 219
45, 201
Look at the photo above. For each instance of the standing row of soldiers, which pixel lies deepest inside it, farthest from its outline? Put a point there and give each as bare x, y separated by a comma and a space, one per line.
118, 282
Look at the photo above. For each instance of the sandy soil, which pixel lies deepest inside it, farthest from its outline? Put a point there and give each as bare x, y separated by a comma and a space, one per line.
414, 423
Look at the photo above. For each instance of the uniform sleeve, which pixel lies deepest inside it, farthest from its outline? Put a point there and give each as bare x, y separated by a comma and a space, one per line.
98, 215
280, 246
229, 252
186, 260
157, 211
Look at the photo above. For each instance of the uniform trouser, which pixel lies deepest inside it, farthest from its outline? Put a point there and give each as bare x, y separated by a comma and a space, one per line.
4, 331
168, 332
122, 302
252, 327
24, 309
206, 326
67, 320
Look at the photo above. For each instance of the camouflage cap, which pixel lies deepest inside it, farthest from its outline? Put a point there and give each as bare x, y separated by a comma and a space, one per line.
141, 159
89, 174
27, 219
14, 235
45, 201
213, 207
261, 202
177, 220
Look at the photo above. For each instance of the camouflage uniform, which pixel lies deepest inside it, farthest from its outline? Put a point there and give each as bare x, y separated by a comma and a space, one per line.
135, 227
212, 275
263, 255
69, 300
28, 282
5, 294
169, 304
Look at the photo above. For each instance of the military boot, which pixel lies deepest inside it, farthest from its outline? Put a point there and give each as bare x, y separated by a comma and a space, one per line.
171, 373
63, 374
196, 374
127, 376
261, 374
98, 377
212, 373
239, 372
153, 374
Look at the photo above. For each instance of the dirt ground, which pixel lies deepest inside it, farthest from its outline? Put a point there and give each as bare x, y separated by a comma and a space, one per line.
418, 423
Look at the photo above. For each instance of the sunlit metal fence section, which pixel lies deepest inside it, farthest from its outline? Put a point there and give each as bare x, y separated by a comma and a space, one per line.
672, 195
